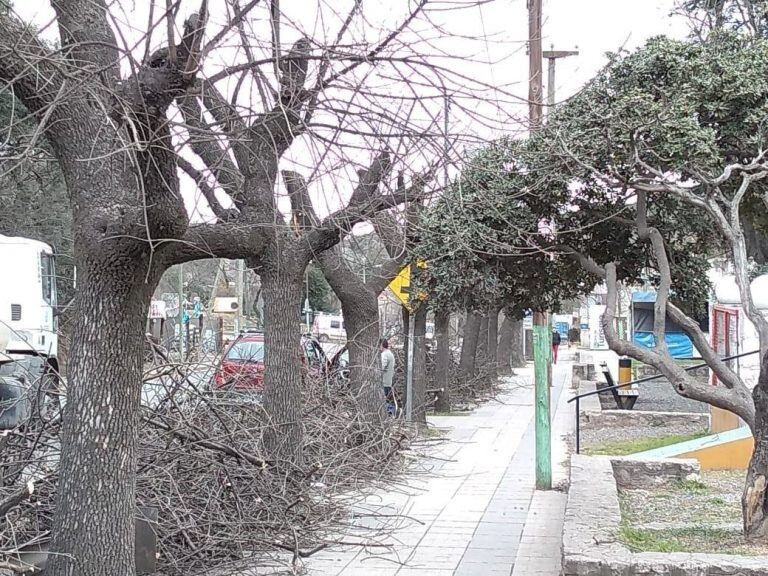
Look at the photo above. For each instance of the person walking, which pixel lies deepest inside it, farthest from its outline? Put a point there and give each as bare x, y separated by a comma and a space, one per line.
388, 375
556, 339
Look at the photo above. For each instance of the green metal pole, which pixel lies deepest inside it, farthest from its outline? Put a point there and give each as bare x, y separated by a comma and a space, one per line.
541, 360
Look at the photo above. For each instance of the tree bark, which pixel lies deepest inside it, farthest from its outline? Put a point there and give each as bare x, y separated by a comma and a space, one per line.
755, 498
469, 346
443, 360
93, 530
517, 358
420, 365
283, 439
481, 355
504, 351
493, 340
361, 318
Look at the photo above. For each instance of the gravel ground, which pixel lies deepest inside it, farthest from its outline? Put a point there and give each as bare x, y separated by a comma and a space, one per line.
689, 516
657, 396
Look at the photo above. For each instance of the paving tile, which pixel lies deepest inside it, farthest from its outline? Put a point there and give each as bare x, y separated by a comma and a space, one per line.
475, 512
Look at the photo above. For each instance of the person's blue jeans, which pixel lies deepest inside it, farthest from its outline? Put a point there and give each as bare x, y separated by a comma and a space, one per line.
389, 397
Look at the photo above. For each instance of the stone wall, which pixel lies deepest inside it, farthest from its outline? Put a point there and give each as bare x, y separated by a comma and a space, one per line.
591, 528
630, 473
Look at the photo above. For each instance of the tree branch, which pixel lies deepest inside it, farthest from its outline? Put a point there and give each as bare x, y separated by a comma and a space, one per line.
208, 192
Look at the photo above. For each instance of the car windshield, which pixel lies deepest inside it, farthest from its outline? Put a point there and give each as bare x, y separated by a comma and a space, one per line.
247, 352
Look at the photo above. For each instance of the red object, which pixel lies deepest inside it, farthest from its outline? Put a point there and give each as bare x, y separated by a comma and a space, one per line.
554, 352
724, 334
242, 364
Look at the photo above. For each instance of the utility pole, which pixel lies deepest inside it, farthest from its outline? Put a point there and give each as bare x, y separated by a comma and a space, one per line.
552, 55
541, 336
535, 86
181, 312
446, 143
239, 292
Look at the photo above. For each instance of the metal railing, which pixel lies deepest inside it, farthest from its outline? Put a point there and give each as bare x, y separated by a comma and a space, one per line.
578, 397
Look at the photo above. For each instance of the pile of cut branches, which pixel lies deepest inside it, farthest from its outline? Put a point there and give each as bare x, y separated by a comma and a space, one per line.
202, 470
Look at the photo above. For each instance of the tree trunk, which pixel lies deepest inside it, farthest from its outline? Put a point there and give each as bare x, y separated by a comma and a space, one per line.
481, 355
493, 340
443, 360
504, 351
361, 318
420, 365
469, 346
755, 498
283, 439
93, 530
517, 358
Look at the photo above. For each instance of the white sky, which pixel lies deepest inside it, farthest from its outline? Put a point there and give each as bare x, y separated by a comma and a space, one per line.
486, 43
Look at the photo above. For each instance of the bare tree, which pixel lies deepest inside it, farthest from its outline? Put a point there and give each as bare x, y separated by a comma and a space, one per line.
125, 113
359, 299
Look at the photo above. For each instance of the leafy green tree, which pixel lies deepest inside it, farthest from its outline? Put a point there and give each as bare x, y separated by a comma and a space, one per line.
667, 144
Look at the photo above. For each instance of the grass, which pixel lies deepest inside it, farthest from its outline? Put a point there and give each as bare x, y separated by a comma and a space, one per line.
693, 539
692, 486
626, 447
453, 413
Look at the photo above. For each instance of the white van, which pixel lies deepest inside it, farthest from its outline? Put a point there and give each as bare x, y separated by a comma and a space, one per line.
28, 296
329, 327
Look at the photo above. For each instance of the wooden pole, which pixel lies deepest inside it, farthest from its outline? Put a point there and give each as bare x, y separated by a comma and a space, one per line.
541, 345
535, 56
541, 356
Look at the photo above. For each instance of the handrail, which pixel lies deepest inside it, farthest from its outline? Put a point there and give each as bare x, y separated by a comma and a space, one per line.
657, 376
578, 397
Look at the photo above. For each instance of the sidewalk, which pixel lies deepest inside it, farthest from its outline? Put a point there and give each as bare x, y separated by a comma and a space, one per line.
475, 513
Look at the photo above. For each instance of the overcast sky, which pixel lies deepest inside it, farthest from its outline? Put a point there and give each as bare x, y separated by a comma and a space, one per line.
485, 42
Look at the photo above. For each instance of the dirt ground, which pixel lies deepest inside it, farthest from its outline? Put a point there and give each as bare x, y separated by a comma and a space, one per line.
688, 516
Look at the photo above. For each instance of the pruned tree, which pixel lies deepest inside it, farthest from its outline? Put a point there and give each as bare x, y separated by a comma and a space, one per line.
675, 161
359, 299
134, 113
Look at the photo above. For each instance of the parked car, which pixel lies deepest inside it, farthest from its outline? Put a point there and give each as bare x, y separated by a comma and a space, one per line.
241, 368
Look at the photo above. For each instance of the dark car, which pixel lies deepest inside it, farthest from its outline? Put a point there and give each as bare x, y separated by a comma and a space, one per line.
242, 366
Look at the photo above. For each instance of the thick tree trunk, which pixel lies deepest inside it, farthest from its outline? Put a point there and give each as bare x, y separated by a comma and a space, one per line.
93, 530
493, 340
361, 318
504, 351
755, 497
517, 358
419, 320
283, 439
443, 360
469, 346
481, 355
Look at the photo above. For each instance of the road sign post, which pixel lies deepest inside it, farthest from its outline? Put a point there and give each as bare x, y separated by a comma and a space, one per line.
541, 357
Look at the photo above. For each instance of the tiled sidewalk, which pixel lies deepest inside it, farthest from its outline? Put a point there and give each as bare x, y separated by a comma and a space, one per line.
475, 512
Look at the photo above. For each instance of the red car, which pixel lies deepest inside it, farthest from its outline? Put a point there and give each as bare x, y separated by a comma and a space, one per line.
242, 365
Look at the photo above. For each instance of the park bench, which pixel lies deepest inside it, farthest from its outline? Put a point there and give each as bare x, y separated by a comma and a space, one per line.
625, 397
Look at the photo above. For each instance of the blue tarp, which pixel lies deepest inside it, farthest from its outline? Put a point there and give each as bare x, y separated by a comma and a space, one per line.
643, 296
678, 343
680, 346
562, 328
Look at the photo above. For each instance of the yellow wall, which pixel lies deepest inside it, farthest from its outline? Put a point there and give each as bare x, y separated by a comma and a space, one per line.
727, 456
722, 420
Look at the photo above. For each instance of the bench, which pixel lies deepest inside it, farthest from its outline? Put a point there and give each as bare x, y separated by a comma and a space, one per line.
625, 397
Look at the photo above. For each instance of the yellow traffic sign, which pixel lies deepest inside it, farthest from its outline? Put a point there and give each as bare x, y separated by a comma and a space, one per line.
401, 286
